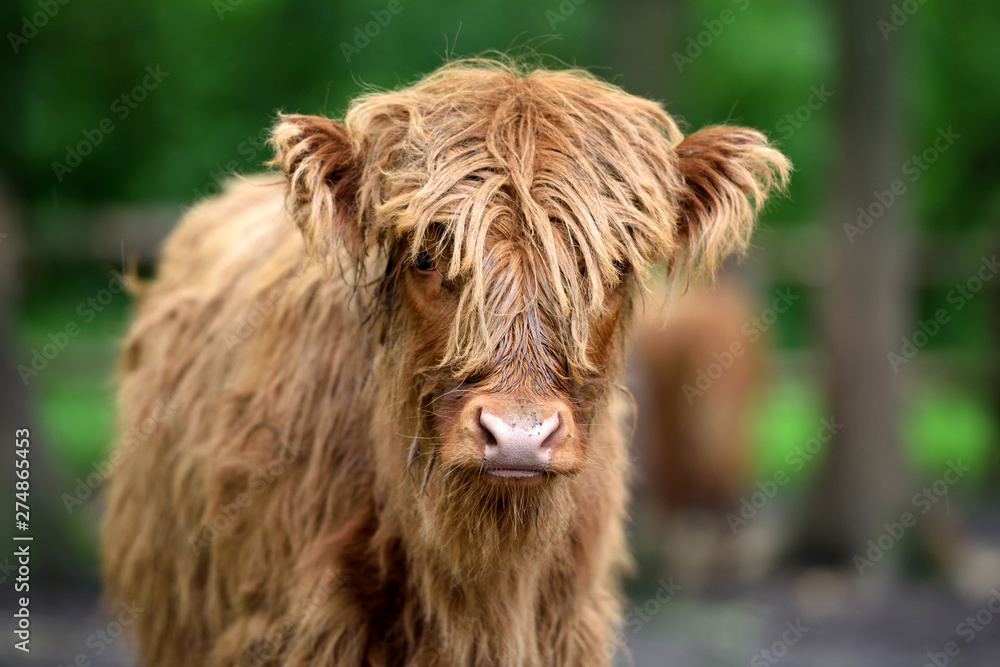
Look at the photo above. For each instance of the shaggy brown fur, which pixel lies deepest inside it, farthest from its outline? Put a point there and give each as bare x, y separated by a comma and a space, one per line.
480, 235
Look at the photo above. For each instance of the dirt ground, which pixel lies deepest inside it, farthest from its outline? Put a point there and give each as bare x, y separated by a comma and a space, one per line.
818, 621
812, 619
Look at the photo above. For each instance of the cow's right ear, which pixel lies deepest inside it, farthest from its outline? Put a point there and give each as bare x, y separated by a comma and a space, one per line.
323, 169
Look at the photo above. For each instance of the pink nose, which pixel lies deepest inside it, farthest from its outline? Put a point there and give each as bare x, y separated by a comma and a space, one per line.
520, 444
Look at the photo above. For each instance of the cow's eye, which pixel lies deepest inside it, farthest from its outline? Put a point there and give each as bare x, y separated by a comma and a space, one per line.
423, 261
620, 268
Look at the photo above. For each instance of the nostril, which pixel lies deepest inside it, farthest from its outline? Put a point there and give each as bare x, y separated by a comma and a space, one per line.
556, 429
489, 438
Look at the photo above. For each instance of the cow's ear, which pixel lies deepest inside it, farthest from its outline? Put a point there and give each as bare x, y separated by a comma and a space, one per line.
323, 169
726, 174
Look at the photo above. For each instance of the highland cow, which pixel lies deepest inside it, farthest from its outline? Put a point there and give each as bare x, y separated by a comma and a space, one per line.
398, 435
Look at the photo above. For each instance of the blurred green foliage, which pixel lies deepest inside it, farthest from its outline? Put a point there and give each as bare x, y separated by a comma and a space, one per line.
232, 64
227, 66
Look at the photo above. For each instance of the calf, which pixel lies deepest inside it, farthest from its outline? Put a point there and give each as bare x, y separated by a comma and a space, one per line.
393, 436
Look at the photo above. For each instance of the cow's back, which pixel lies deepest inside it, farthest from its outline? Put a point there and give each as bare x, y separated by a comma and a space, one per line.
224, 384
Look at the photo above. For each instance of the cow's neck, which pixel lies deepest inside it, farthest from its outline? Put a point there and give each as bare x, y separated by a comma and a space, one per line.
504, 616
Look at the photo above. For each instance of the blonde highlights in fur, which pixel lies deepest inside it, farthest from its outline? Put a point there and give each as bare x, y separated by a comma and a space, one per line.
582, 177
316, 493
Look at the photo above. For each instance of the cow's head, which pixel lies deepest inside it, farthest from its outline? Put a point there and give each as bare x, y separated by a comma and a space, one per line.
510, 217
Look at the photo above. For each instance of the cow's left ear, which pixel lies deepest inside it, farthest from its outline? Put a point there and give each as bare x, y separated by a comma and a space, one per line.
726, 174
323, 169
